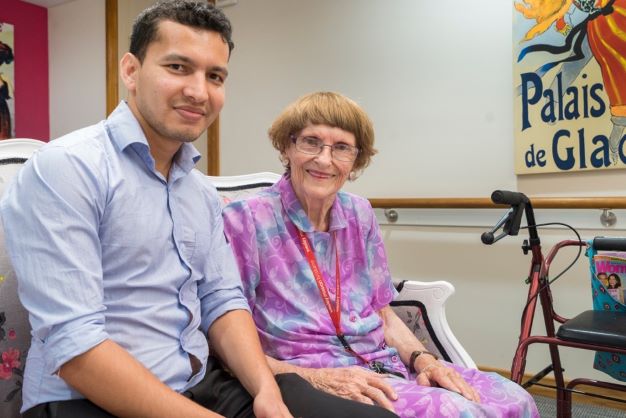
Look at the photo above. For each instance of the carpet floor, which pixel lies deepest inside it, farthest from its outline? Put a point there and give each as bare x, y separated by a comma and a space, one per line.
547, 409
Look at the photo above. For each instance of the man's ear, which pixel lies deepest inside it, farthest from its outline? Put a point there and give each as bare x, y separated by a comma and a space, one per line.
129, 70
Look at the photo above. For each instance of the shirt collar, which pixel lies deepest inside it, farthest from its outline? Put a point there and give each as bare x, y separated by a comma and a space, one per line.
124, 130
296, 212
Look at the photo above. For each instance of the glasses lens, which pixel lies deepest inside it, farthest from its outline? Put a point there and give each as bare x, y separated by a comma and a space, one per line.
314, 146
309, 144
344, 152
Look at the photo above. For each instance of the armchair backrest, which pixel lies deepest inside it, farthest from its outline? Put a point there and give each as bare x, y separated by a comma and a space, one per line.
231, 188
14, 326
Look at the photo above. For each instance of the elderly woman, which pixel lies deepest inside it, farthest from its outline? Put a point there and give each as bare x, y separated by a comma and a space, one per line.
315, 274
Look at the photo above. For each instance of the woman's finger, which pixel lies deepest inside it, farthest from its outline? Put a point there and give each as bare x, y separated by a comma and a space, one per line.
468, 391
363, 399
379, 397
465, 388
446, 382
450, 379
423, 380
381, 384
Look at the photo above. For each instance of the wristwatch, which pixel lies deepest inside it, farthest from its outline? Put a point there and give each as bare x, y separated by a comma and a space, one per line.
415, 354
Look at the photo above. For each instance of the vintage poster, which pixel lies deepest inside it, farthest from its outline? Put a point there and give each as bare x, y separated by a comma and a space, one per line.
569, 85
7, 98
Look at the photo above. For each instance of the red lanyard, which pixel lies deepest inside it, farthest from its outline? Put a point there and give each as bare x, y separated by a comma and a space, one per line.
335, 313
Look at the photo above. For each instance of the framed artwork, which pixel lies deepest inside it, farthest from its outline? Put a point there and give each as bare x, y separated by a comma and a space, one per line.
569, 85
7, 72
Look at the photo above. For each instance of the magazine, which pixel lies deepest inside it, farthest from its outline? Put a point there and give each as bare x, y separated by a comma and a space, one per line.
611, 272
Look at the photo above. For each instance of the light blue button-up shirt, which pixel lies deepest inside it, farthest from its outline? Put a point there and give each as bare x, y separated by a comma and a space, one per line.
105, 247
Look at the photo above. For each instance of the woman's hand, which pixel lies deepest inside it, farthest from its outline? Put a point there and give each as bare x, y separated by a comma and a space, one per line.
436, 373
354, 383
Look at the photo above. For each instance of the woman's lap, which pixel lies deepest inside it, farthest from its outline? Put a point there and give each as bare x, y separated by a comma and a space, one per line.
499, 398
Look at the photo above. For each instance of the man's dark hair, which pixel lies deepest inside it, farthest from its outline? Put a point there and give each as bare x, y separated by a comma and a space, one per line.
197, 14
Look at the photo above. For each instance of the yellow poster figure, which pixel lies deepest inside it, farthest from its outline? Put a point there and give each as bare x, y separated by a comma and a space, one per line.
590, 29
607, 39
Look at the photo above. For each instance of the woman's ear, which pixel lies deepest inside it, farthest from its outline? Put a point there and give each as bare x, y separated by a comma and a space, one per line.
129, 69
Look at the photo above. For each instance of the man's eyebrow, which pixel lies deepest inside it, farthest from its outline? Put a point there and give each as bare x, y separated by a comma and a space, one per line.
187, 60
219, 69
178, 57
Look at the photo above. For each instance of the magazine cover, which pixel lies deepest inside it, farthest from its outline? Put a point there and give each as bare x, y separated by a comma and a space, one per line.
610, 271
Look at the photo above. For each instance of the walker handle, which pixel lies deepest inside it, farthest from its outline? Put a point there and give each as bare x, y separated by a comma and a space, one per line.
506, 197
609, 244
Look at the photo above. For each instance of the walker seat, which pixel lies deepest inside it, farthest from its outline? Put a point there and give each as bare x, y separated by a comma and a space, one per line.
599, 327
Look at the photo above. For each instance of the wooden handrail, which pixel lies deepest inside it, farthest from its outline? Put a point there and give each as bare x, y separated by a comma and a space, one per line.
485, 202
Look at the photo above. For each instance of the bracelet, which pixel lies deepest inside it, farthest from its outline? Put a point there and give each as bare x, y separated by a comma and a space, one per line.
430, 366
414, 355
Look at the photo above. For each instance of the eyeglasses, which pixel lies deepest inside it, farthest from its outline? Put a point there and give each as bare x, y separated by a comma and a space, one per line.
314, 146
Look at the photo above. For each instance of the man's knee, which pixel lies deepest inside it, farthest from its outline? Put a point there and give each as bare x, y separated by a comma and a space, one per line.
303, 400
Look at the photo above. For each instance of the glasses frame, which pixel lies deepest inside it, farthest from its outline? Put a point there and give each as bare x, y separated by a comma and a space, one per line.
295, 138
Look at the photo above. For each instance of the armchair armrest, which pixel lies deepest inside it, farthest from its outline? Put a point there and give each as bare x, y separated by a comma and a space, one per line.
421, 305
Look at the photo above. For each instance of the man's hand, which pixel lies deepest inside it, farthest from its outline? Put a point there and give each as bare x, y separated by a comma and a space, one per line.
437, 373
270, 405
234, 338
354, 383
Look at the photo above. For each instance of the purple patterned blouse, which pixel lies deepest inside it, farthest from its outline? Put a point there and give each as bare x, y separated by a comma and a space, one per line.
293, 322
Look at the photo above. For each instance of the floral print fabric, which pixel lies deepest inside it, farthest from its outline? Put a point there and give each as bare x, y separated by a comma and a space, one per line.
14, 342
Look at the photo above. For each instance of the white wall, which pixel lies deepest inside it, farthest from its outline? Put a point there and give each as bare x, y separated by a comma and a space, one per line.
436, 83
76, 36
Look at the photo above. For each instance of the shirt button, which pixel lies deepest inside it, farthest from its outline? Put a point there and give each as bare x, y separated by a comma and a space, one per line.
394, 359
353, 317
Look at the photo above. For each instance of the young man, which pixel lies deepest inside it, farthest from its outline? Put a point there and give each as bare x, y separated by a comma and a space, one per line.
119, 249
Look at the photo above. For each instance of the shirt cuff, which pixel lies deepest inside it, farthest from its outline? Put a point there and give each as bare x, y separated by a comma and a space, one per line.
235, 301
61, 347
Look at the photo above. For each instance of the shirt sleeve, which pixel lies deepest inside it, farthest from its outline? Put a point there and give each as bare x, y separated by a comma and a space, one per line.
220, 291
241, 232
51, 214
383, 290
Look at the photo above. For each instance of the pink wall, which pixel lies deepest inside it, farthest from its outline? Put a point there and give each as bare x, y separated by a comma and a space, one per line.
32, 116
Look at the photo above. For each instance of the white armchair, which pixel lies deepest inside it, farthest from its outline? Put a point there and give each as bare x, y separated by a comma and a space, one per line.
421, 305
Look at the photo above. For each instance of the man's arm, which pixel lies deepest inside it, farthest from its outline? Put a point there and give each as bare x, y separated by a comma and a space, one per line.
234, 338
112, 379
